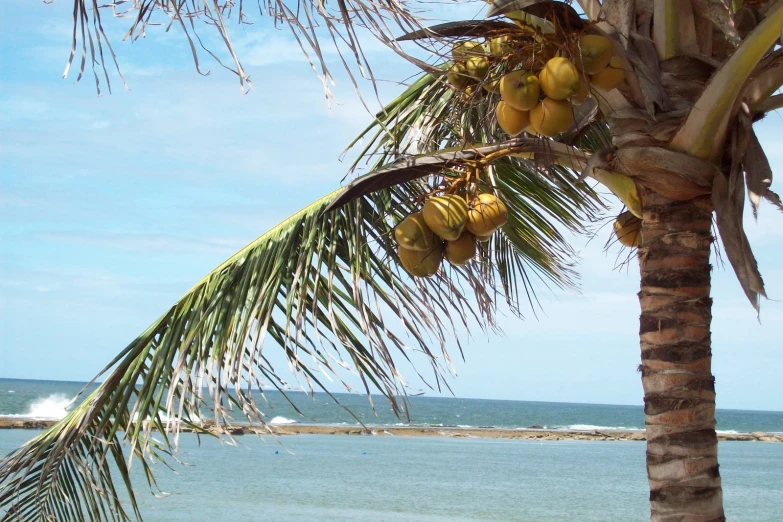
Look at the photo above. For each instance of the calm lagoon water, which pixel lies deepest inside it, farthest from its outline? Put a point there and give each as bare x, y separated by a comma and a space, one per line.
351, 478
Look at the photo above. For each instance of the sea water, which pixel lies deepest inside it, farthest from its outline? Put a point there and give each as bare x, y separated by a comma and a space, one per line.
336, 477
48, 399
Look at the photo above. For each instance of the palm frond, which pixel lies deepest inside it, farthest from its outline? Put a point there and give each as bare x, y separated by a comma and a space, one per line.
320, 286
461, 29
559, 13
323, 286
309, 21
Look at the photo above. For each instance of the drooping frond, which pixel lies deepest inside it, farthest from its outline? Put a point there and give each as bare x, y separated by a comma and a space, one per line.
323, 286
313, 24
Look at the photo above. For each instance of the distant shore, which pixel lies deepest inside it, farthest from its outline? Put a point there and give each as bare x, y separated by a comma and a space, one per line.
426, 431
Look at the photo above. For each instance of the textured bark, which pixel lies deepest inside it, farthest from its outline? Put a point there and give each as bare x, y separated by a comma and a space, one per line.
679, 389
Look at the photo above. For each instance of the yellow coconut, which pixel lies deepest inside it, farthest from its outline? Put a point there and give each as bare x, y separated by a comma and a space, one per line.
628, 229
520, 89
458, 76
477, 67
421, 263
464, 50
484, 239
446, 215
610, 77
487, 213
580, 96
559, 78
471, 94
512, 121
462, 250
491, 85
500, 46
551, 117
414, 234
593, 53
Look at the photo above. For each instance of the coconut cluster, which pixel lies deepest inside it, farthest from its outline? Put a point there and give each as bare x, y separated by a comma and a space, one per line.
447, 226
535, 98
470, 67
541, 103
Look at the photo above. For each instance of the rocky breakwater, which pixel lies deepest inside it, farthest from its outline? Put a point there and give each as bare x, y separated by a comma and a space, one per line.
533, 433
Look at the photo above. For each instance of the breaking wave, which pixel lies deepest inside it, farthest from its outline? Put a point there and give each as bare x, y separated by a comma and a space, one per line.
52, 407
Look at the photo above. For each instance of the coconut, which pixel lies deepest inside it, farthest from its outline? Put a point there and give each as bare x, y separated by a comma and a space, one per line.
414, 234
458, 76
628, 229
477, 67
491, 85
462, 250
520, 89
500, 46
421, 263
559, 78
484, 239
551, 117
487, 213
464, 50
512, 121
580, 96
446, 215
610, 77
593, 53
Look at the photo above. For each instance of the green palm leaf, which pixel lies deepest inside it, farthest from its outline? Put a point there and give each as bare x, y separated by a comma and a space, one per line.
322, 287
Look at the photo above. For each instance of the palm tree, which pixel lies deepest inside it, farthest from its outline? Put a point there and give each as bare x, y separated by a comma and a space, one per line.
674, 142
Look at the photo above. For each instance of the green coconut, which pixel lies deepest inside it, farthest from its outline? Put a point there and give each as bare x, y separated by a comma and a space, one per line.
414, 234
458, 76
421, 263
628, 229
500, 46
610, 77
559, 78
551, 117
477, 67
520, 89
593, 53
446, 215
512, 121
487, 213
579, 97
464, 50
462, 250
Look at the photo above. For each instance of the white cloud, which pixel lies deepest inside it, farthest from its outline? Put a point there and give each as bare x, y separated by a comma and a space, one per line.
146, 241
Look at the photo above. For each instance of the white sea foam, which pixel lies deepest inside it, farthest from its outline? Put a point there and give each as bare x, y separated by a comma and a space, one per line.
45, 408
281, 420
11, 391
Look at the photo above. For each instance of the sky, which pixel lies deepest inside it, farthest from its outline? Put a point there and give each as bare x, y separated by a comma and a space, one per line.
112, 207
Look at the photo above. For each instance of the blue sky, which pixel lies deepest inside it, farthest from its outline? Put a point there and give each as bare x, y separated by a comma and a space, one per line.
112, 207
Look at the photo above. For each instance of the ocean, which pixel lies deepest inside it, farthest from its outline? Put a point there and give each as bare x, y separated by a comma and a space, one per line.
341, 477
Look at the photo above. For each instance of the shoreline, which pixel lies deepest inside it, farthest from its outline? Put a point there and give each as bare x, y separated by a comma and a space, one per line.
423, 431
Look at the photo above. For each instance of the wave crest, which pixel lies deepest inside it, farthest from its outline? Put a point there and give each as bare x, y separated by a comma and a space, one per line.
52, 407
281, 420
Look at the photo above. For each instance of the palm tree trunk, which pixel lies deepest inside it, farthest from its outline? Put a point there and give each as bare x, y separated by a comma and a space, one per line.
679, 389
